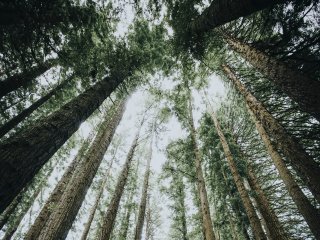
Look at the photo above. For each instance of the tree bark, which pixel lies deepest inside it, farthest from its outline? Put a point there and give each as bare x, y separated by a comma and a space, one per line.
224, 11
307, 169
26, 152
66, 210
8, 126
96, 203
251, 213
205, 210
109, 219
272, 221
307, 210
23, 79
53, 200
144, 195
300, 88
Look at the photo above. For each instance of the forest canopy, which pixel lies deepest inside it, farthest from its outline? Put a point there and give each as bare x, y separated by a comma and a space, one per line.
160, 119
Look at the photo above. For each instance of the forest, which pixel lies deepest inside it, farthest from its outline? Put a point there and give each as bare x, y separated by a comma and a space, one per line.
160, 119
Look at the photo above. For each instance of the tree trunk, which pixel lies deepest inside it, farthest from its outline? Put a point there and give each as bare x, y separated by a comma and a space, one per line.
272, 221
181, 200
8, 126
9, 210
125, 224
148, 221
96, 203
223, 11
205, 210
251, 213
66, 210
307, 169
144, 195
300, 88
42, 218
308, 211
25, 78
26, 152
110, 216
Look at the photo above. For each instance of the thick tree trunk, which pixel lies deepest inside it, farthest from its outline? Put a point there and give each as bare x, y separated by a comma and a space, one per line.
42, 218
308, 211
110, 216
5, 128
144, 195
307, 169
275, 229
251, 213
25, 78
96, 203
205, 210
224, 11
66, 210
22, 155
300, 88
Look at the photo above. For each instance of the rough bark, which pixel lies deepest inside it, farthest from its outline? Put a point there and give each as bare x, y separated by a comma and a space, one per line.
224, 11
298, 86
251, 213
205, 210
96, 203
144, 195
66, 210
109, 219
307, 210
23, 79
49, 206
276, 231
26, 152
8, 126
307, 169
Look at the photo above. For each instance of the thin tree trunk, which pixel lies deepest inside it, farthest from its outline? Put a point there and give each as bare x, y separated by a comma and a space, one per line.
205, 210
148, 220
251, 213
43, 216
300, 88
307, 169
8, 126
224, 11
142, 208
9, 210
125, 224
26, 152
181, 199
109, 219
61, 219
275, 229
25, 78
308, 211
96, 203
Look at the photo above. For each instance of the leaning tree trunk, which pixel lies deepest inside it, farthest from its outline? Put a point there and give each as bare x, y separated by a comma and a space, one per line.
307, 169
300, 88
4, 217
8, 126
224, 11
204, 203
144, 195
308, 211
96, 203
276, 231
53, 200
251, 213
66, 210
22, 155
23, 79
109, 219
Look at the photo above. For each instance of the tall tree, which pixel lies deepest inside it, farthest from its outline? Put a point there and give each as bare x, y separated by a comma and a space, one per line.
110, 216
307, 169
55, 196
298, 86
251, 212
66, 210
